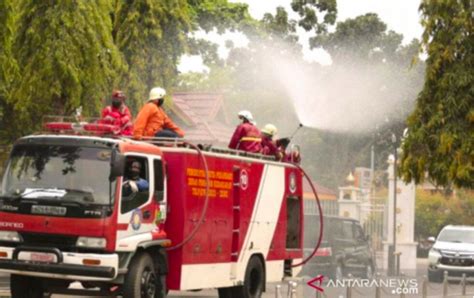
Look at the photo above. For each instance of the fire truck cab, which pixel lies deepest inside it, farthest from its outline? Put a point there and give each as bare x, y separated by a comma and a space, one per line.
72, 211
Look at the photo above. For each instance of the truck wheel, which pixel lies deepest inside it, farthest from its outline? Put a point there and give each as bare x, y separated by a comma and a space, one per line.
225, 292
26, 287
254, 281
141, 280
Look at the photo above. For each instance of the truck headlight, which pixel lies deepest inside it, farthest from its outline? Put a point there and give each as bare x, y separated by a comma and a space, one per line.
434, 255
91, 242
10, 236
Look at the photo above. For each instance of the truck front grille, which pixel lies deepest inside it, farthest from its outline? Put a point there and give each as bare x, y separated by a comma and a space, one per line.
62, 242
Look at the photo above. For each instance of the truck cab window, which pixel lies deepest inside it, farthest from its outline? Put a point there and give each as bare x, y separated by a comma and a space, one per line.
135, 186
159, 179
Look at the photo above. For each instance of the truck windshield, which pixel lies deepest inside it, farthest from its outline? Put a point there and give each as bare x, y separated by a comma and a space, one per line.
69, 173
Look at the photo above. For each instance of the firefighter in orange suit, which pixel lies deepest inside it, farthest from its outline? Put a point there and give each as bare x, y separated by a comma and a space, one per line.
246, 136
152, 120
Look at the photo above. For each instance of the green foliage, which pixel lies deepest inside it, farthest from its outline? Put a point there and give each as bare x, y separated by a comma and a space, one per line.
435, 210
66, 59
8, 65
58, 55
441, 129
310, 10
218, 14
152, 36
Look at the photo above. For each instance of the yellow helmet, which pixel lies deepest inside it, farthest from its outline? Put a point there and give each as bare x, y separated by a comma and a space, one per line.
269, 129
157, 93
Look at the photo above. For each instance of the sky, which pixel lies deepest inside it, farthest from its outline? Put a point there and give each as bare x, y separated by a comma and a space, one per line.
400, 15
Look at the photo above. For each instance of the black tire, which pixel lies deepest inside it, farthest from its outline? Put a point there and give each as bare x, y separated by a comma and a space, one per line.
162, 290
141, 280
254, 280
26, 287
225, 292
435, 276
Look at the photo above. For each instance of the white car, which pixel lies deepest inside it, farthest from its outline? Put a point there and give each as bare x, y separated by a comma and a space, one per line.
453, 251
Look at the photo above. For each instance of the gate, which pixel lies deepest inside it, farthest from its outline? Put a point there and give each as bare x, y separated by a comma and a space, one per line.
373, 219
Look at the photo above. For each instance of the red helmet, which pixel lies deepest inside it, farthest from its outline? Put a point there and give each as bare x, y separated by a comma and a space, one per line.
118, 94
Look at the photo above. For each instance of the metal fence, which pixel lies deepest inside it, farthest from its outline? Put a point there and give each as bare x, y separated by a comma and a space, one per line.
373, 218
424, 289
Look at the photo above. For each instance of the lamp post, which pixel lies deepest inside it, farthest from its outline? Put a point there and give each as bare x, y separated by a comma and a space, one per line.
395, 259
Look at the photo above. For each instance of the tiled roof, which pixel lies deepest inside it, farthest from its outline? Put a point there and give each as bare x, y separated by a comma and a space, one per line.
199, 110
324, 193
197, 106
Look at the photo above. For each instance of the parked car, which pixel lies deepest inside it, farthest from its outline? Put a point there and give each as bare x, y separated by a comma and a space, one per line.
344, 249
453, 251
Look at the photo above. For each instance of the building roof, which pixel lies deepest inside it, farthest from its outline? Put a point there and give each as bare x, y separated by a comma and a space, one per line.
323, 192
204, 117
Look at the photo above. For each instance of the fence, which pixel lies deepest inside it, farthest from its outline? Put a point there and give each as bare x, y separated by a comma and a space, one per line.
372, 217
423, 289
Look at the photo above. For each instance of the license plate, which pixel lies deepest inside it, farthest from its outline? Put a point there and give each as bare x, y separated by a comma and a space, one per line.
39, 257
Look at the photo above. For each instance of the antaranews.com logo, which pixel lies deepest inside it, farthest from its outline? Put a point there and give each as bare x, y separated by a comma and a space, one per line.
394, 285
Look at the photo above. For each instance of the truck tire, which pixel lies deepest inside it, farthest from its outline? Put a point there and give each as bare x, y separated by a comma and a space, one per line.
254, 280
26, 287
141, 280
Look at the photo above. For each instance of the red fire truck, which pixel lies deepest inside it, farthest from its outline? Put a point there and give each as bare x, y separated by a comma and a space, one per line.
71, 211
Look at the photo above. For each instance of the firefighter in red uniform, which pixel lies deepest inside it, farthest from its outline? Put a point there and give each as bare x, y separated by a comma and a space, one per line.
269, 146
246, 136
118, 114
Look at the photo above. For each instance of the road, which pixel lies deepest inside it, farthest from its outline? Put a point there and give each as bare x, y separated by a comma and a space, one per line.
330, 291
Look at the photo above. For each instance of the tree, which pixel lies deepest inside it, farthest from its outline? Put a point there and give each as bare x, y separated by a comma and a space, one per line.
440, 141
8, 66
433, 211
66, 58
309, 10
371, 71
153, 35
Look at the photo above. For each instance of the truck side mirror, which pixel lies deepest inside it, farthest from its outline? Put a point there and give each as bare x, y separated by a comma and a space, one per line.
117, 165
431, 239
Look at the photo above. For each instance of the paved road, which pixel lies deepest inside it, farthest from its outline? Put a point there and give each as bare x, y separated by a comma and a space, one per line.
330, 291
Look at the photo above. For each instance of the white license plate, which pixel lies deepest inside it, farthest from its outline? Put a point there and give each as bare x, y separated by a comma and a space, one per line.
41, 257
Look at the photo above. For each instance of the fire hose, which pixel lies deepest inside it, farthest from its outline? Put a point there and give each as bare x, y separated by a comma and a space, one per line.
206, 201
318, 244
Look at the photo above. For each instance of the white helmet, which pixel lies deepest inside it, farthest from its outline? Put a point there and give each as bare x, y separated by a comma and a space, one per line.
157, 93
247, 115
269, 129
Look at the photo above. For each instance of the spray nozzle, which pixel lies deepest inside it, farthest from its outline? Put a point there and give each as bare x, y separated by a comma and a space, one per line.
300, 125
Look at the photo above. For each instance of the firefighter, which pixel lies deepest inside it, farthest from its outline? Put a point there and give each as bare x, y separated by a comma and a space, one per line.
269, 146
134, 183
246, 136
118, 114
152, 120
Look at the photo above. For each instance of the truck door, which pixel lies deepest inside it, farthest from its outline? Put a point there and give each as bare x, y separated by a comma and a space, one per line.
136, 207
